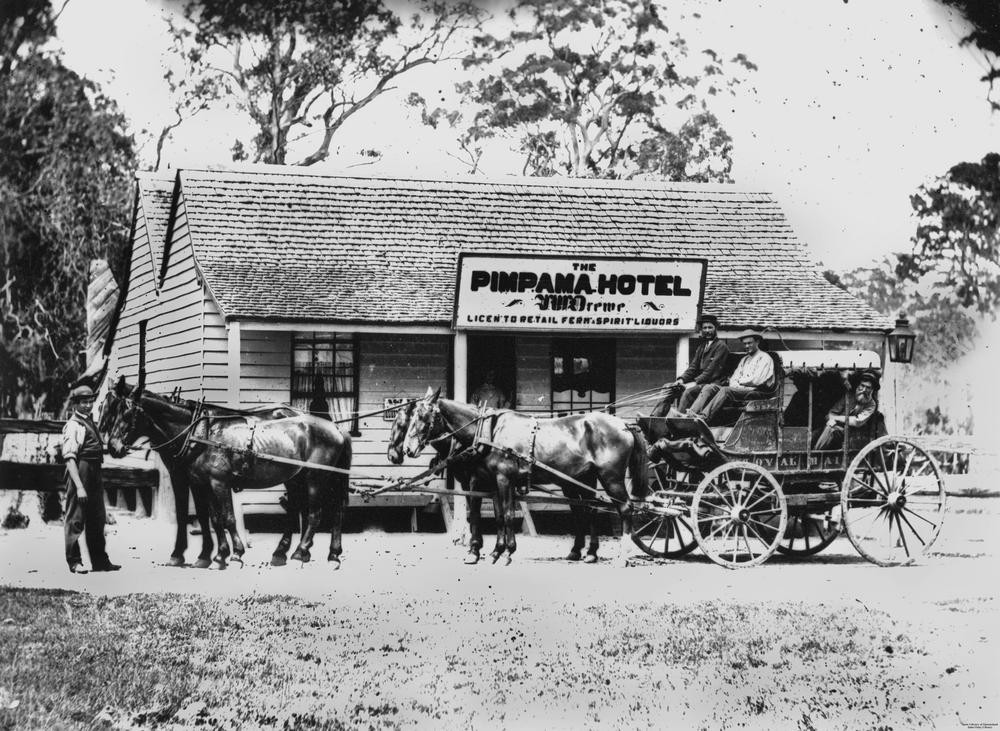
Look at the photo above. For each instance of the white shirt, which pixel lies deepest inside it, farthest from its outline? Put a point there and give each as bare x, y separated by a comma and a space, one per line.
753, 371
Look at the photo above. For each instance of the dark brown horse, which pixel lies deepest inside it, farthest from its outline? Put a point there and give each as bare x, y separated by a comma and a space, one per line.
211, 472
467, 470
590, 448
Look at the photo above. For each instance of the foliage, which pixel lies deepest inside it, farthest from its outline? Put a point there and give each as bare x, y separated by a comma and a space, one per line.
957, 242
300, 69
984, 15
946, 333
66, 163
595, 90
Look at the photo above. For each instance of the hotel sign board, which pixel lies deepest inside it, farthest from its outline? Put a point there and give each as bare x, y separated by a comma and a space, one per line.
577, 293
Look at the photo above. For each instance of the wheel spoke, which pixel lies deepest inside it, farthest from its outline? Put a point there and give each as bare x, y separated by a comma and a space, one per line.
805, 532
899, 527
869, 486
713, 518
722, 495
746, 542
713, 533
895, 467
791, 540
900, 516
757, 535
918, 515
656, 533
655, 518
885, 490
906, 469
762, 525
765, 496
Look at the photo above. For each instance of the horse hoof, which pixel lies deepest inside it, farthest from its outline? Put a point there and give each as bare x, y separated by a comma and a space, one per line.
508, 559
472, 558
590, 558
278, 560
176, 562
574, 556
237, 559
202, 563
220, 565
495, 557
334, 563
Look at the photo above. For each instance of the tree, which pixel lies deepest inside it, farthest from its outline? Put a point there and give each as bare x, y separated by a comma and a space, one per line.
300, 69
984, 16
66, 164
596, 90
956, 248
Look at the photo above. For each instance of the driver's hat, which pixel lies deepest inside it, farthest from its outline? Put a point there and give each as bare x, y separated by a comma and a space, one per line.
710, 319
81, 393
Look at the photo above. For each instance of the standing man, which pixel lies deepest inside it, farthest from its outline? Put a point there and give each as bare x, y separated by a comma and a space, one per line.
706, 368
856, 416
755, 372
83, 453
489, 395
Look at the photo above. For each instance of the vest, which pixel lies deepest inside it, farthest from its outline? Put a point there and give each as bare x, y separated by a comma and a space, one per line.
91, 450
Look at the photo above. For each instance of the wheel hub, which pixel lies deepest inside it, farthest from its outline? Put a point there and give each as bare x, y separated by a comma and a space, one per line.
739, 514
896, 500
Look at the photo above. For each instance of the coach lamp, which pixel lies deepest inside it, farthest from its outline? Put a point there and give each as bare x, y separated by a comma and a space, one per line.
901, 341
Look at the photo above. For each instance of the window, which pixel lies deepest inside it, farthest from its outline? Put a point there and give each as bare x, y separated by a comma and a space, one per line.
329, 360
582, 375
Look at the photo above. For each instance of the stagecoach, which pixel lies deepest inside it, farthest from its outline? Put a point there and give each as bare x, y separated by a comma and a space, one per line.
741, 492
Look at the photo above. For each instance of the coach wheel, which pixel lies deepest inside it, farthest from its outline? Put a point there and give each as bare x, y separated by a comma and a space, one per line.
893, 501
740, 514
809, 533
662, 526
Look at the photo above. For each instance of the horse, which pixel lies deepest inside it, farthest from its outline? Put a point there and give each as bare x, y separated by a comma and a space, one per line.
591, 448
470, 473
213, 472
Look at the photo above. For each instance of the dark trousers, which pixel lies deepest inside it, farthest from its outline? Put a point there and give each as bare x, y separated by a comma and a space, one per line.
86, 518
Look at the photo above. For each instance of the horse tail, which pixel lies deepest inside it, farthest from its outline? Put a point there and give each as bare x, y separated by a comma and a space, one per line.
638, 463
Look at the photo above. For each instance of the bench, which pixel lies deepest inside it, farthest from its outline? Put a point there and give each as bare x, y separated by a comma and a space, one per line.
267, 501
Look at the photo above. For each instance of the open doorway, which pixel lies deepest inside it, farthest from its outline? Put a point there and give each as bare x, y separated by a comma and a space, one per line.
492, 359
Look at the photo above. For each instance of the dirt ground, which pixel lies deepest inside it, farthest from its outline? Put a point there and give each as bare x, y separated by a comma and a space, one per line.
416, 638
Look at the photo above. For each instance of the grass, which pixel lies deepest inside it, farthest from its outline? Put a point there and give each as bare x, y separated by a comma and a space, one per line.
145, 661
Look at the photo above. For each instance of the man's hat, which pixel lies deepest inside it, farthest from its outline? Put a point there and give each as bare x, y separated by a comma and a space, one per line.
81, 392
711, 319
869, 377
750, 333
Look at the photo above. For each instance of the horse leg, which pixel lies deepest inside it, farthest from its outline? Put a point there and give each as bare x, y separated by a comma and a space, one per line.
229, 519
498, 514
508, 519
614, 486
475, 530
579, 526
339, 506
220, 496
291, 501
313, 501
180, 487
203, 511
590, 515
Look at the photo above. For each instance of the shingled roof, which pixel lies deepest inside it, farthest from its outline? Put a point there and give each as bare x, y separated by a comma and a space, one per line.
155, 191
292, 246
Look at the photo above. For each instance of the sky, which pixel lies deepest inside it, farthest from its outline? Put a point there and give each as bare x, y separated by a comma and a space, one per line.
855, 103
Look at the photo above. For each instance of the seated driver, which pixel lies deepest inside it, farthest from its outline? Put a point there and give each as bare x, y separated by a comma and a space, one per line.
755, 372
862, 409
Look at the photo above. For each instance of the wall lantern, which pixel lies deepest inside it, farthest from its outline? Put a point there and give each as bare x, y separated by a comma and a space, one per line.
901, 341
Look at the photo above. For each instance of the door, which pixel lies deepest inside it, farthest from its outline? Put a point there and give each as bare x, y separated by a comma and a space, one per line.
492, 369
